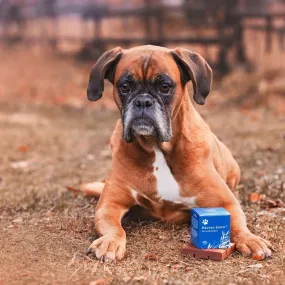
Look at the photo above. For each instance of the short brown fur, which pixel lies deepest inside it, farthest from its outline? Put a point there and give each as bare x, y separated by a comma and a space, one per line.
201, 164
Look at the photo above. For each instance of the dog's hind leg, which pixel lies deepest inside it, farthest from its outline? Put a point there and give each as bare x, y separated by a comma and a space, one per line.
92, 189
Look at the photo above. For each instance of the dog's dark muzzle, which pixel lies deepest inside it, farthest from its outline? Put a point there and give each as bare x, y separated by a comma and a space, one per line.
143, 127
145, 117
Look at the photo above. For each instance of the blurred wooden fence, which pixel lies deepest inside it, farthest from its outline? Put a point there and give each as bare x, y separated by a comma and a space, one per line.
225, 21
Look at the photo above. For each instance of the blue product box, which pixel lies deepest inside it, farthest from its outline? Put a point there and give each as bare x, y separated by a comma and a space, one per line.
210, 228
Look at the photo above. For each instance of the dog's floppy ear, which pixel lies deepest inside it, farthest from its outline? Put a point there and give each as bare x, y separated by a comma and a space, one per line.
104, 68
195, 68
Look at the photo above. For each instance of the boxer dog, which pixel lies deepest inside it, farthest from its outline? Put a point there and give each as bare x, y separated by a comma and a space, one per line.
164, 156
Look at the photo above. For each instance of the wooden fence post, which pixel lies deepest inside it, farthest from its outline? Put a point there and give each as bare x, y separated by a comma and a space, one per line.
160, 27
147, 19
239, 41
268, 38
222, 63
98, 42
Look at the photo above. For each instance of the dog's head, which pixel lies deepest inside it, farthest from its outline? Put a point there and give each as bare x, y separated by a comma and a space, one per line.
149, 83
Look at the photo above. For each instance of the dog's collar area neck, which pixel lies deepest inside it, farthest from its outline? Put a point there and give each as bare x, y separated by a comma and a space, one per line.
147, 143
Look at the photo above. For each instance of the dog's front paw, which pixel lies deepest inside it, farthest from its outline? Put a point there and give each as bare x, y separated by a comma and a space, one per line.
108, 248
249, 244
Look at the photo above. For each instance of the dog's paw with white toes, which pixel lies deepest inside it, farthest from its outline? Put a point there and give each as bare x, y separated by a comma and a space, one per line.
253, 246
108, 248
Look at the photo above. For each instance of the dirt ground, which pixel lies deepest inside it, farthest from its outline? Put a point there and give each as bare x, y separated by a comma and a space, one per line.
50, 138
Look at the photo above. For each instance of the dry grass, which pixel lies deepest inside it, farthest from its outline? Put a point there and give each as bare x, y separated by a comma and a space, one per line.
45, 230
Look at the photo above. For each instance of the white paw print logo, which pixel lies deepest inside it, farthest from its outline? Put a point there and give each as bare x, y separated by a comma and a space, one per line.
205, 222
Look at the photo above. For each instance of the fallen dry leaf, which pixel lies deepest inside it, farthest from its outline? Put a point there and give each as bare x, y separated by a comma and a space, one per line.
150, 257
23, 148
255, 197
269, 203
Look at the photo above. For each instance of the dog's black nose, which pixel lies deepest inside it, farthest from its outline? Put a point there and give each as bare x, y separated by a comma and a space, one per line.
144, 101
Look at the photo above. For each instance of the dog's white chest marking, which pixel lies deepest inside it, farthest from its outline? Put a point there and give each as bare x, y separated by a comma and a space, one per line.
167, 186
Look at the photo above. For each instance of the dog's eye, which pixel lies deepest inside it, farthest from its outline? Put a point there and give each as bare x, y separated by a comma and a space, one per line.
125, 88
164, 87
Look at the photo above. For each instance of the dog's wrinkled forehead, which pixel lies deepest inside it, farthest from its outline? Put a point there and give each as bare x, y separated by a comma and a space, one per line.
147, 64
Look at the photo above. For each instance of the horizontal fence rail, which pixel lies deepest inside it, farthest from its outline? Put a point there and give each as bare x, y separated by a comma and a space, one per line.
228, 23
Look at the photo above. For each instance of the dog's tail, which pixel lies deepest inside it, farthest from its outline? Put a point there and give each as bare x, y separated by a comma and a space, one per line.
93, 189
90, 189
